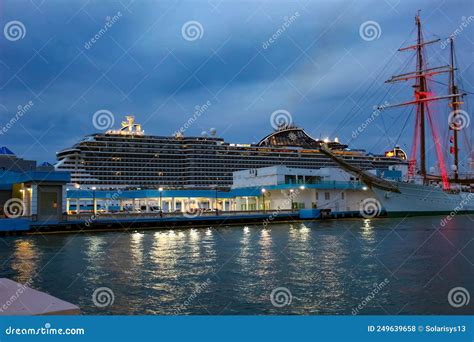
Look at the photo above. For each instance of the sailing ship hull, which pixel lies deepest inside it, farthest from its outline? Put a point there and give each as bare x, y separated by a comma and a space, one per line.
417, 200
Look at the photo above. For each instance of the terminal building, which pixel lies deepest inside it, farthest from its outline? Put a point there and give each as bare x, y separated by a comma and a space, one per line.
262, 189
28, 191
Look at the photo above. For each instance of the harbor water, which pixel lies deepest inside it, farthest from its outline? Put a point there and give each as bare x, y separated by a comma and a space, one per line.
351, 266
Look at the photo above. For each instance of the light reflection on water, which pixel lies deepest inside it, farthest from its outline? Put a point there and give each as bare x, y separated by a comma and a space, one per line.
25, 260
328, 266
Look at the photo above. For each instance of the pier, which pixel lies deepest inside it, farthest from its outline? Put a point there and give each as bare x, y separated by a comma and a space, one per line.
20, 300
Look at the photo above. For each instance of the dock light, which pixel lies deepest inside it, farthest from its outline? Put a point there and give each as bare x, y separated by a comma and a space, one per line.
291, 190
77, 186
263, 199
160, 189
365, 188
302, 187
94, 203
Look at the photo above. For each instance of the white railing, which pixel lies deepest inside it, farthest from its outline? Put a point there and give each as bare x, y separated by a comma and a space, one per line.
132, 215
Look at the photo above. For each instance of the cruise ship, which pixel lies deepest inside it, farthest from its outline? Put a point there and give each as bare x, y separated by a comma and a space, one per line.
128, 158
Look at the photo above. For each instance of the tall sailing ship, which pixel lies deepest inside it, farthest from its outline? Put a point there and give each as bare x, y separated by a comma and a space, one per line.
423, 192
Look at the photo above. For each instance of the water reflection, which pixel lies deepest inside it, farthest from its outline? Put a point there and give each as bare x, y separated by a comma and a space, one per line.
26, 258
367, 231
95, 258
329, 266
136, 248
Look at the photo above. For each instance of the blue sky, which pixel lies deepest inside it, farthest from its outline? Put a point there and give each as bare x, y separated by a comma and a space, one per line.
318, 69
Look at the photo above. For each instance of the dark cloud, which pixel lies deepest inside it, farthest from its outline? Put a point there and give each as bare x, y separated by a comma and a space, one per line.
318, 68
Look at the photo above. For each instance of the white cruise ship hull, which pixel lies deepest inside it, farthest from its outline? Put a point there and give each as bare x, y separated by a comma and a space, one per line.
416, 199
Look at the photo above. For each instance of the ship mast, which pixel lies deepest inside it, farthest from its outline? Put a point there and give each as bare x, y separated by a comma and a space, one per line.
421, 94
455, 107
423, 97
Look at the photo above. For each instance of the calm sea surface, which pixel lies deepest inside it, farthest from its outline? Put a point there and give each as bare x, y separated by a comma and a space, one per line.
384, 266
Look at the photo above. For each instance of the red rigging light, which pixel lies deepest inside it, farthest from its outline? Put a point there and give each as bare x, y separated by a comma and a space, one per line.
397, 152
419, 95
